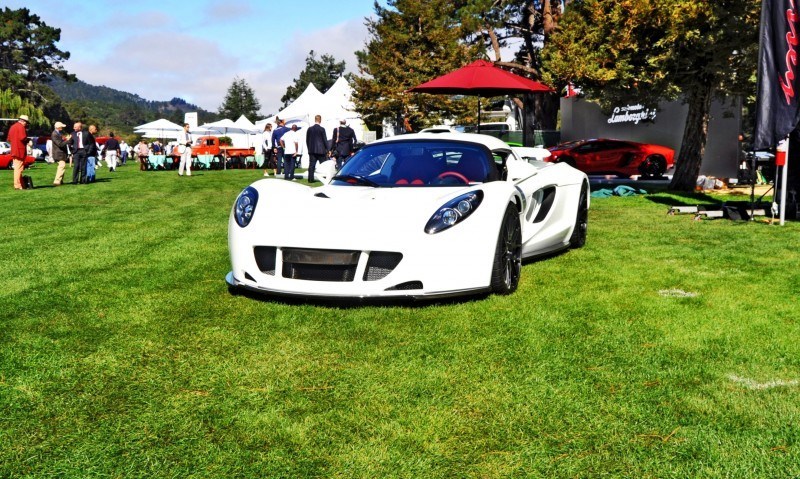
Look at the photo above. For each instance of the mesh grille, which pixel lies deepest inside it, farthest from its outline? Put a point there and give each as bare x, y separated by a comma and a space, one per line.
380, 264
265, 259
319, 272
320, 265
406, 286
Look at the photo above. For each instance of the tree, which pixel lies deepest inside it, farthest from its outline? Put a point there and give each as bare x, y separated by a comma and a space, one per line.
12, 106
323, 73
240, 100
492, 23
652, 50
411, 42
29, 57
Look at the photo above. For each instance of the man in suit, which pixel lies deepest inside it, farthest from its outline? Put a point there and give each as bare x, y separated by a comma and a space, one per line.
345, 140
59, 152
79, 146
317, 143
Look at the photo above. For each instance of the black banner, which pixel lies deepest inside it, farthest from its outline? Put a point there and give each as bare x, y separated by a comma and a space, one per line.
777, 105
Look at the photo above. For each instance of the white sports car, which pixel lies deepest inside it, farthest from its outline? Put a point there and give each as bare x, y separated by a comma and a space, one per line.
422, 215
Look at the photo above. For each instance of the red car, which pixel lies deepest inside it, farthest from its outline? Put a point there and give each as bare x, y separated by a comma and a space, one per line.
6, 163
618, 157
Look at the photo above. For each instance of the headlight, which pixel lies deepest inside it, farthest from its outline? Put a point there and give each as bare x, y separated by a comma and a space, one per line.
454, 212
245, 206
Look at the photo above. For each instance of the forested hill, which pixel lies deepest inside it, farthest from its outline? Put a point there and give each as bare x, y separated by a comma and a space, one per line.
118, 110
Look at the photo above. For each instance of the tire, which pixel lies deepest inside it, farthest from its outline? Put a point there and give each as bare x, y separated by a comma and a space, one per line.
654, 166
507, 262
578, 238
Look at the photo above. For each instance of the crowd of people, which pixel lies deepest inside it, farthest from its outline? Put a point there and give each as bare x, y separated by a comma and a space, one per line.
282, 149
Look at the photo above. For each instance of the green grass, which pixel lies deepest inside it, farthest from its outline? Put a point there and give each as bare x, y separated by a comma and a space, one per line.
123, 355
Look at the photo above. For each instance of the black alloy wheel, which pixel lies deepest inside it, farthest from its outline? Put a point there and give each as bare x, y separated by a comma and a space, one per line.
508, 254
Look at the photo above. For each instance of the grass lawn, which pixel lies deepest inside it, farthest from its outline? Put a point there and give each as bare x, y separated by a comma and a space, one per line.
666, 348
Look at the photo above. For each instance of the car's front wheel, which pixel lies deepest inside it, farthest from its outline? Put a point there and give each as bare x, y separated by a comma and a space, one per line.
508, 254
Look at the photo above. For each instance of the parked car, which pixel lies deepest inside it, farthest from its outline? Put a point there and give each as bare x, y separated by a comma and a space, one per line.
5, 147
618, 157
411, 216
6, 163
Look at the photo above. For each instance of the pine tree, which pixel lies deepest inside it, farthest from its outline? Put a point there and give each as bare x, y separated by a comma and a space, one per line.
239, 100
411, 42
28, 54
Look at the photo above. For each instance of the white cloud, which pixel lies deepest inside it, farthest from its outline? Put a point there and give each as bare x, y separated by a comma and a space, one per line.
340, 41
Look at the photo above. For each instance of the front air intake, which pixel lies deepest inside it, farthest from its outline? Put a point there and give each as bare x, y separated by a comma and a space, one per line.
380, 264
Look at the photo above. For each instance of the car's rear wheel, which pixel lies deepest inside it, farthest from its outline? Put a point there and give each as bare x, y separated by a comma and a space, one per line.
578, 238
508, 254
653, 166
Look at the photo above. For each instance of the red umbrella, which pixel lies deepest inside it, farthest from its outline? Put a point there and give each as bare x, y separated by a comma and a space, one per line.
481, 78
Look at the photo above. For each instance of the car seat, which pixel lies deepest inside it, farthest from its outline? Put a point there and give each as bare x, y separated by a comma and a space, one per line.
414, 170
472, 166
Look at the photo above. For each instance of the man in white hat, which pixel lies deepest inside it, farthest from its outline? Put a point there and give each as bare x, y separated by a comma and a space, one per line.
18, 138
59, 152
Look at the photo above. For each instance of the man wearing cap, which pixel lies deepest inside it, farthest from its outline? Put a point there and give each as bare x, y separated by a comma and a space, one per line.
18, 138
59, 152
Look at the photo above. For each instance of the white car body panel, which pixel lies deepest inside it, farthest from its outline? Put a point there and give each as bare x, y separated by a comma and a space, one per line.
368, 219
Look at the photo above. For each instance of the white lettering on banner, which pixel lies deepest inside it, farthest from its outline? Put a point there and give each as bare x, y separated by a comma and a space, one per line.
632, 114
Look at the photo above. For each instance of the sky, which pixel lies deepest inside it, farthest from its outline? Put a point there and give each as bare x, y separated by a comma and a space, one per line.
194, 49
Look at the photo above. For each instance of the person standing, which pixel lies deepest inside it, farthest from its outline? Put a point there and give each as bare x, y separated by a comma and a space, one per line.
266, 148
142, 152
18, 138
92, 153
124, 151
344, 139
292, 149
276, 144
59, 152
317, 143
78, 145
185, 149
112, 152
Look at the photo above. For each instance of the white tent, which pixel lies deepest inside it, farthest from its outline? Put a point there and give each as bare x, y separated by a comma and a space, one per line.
161, 128
241, 137
244, 123
335, 105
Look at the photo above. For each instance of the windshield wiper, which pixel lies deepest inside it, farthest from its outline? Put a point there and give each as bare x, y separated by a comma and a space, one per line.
358, 179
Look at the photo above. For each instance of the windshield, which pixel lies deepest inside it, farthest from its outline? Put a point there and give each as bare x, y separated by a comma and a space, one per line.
419, 163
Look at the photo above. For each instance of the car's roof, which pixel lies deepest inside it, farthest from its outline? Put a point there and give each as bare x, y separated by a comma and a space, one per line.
491, 142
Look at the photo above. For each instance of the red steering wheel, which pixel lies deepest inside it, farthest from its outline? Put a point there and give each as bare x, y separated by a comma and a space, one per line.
454, 174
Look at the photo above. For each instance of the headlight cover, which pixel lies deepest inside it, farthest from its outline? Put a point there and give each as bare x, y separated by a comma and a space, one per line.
454, 212
245, 206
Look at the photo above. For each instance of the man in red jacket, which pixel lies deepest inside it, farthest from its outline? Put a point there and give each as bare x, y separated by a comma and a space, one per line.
18, 137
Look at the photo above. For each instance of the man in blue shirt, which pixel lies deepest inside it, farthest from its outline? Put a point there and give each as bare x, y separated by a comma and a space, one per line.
276, 143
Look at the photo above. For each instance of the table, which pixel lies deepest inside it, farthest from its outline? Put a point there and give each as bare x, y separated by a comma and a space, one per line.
157, 161
204, 161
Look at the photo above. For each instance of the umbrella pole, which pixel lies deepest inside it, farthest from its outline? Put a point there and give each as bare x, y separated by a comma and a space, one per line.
479, 114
